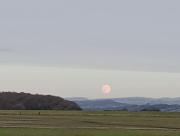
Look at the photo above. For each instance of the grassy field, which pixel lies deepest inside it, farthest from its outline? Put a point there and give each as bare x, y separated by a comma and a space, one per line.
82, 123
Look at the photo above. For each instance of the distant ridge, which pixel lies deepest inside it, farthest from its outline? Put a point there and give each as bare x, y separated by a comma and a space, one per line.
131, 104
134, 100
76, 98
144, 100
26, 101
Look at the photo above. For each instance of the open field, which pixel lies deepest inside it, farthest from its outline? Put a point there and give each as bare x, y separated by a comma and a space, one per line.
82, 123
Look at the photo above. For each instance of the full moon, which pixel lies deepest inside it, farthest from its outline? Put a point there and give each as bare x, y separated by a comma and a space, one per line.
106, 89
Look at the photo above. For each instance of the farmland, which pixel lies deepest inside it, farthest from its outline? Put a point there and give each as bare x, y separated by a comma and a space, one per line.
84, 123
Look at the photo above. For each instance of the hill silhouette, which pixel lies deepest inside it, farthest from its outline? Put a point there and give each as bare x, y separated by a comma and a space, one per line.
26, 101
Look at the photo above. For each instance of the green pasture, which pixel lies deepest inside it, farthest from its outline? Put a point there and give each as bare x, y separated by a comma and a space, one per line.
84, 123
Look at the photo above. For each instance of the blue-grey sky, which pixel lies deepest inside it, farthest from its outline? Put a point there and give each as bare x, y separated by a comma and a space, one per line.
88, 38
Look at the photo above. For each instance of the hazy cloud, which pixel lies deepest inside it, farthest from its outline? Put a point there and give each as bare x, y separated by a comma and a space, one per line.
6, 50
100, 34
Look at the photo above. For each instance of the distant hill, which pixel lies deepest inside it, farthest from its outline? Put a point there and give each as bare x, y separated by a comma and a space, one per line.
26, 101
76, 98
131, 104
143, 101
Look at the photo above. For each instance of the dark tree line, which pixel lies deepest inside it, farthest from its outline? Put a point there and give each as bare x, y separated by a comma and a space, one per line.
26, 101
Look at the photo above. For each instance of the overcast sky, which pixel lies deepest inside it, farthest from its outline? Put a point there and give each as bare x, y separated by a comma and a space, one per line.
71, 48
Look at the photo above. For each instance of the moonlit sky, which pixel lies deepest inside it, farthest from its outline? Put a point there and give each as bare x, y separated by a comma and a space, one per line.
70, 48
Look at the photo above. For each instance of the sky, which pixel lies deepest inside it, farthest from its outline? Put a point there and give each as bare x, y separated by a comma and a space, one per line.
71, 48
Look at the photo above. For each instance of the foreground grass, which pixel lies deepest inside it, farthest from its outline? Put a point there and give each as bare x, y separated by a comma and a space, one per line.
83, 132
82, 123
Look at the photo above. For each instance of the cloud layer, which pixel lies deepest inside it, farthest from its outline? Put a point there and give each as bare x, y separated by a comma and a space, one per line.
100, 34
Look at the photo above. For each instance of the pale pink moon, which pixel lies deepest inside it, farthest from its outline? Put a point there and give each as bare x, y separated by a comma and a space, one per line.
106, 89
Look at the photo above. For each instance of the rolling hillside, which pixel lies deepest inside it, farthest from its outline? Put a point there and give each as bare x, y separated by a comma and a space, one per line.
26, 101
